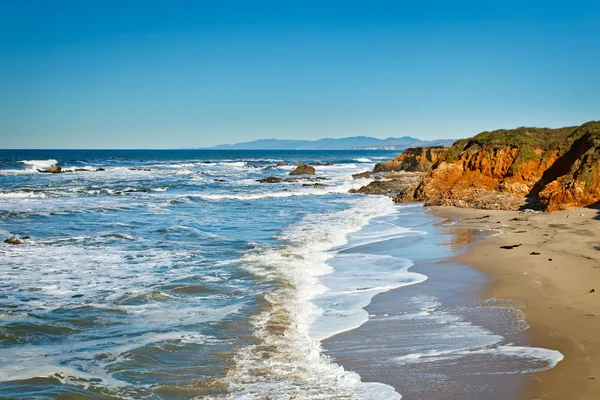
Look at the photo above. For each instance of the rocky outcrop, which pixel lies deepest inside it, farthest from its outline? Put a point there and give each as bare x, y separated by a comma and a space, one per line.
52, 170
362, 175
276, 179
271, 179
419, 159
401, 187
303, 169
16, 240
574, 179
551, 169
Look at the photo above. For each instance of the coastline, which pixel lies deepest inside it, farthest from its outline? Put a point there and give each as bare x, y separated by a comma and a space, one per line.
439, 339
555, 286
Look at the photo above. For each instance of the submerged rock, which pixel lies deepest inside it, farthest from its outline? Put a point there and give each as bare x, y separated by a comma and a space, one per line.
303, 169
282, 164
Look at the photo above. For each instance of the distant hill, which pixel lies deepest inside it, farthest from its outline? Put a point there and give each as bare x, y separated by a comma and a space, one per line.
349, 143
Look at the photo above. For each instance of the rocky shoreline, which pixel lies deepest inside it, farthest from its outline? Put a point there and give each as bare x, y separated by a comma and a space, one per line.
523, 168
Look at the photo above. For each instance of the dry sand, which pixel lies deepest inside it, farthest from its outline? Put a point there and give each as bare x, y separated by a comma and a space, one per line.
560, 286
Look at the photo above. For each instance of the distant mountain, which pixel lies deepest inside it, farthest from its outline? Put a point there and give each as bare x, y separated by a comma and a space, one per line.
349, 143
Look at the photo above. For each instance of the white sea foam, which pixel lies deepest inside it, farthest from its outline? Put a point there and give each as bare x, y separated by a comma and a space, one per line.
294, 361
39, 164
20, 195
357, 279
449, 336
363, 160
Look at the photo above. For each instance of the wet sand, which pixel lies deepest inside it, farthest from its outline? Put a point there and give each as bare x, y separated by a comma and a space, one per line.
399, 326
551, 262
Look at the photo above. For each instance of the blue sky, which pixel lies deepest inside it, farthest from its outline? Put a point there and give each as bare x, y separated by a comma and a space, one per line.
173, 74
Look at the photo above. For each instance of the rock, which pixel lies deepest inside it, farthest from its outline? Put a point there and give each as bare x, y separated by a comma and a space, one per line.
52, 170
282, 164
303, 169
318, 186
510, 247
361, 175
13, 240
271, 179
135, 191
592, 290
100, 169
219, 180
419, 159
82, 170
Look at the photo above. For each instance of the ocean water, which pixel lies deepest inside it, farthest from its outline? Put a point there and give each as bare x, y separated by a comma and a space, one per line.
176, 275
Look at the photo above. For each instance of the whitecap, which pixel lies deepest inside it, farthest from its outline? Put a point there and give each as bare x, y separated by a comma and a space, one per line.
39, 164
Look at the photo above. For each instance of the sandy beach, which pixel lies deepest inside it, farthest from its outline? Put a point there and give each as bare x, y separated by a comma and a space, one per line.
551, 262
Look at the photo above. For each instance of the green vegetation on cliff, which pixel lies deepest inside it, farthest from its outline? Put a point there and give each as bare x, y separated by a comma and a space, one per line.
526, 139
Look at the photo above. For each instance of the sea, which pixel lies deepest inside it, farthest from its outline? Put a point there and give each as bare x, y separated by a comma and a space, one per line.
176, 274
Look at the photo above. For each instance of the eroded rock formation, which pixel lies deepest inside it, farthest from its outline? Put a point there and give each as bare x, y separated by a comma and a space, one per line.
551, 169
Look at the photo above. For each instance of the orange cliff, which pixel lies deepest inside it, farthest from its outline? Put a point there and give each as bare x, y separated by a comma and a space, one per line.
551, 169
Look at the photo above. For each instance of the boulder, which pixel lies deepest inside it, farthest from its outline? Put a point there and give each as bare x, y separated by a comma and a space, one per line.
282, 164
271, 179
100, 169
303, 169
14, 240
366, 174
51, 170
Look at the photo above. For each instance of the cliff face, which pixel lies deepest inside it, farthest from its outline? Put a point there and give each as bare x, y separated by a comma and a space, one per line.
506, 169
574, 179
419, 159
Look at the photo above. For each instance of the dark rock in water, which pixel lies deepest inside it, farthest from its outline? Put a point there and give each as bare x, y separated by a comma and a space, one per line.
303, 169
100, 169
52, 170
401, 187
271, 179
316, 164
282, 164
140, 169
25, 238
315, 185
135, 190
366, 174
82, 170
76, 296
219, 180
13, 240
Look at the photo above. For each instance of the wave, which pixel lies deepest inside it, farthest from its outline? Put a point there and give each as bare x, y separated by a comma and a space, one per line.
308, 191
286, 359
39, 164
20, 195
363, 160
